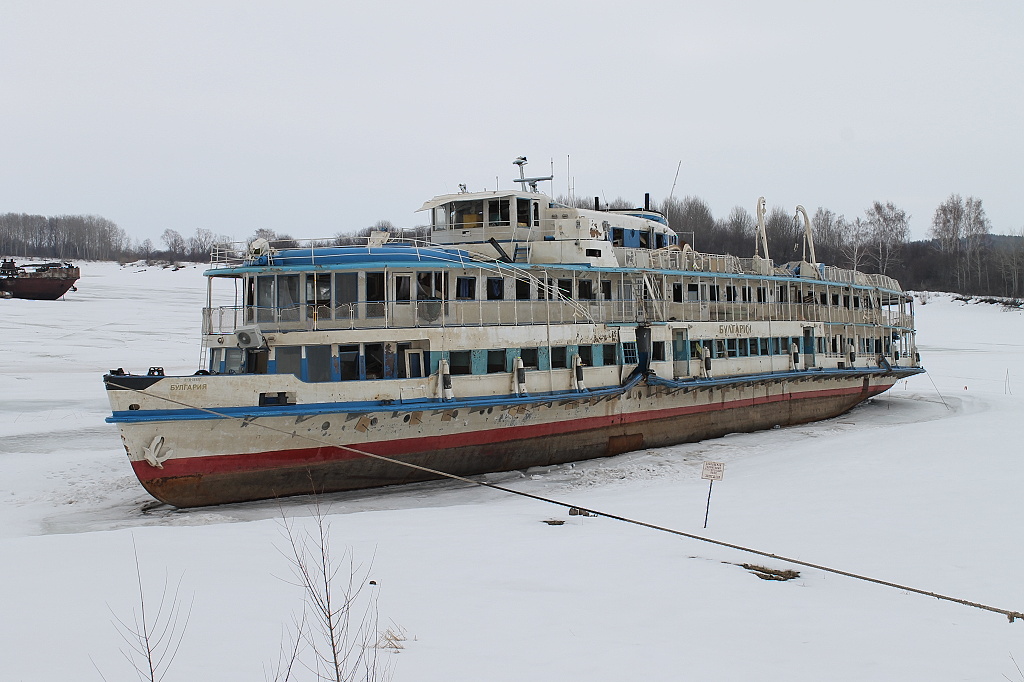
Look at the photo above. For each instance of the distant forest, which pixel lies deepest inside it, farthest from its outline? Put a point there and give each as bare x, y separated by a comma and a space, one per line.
960, 255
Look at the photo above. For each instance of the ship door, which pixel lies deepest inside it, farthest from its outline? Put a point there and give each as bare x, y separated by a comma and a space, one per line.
401, 293
808, 348
681, 353
414, 364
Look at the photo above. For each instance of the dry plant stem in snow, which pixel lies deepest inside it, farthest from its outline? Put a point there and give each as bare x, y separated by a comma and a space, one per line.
152, 640
339, 622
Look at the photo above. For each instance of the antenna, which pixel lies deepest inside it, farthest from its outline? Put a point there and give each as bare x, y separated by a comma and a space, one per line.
674, 181
523, 180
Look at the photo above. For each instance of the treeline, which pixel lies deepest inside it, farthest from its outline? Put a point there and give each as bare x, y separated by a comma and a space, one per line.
961, 255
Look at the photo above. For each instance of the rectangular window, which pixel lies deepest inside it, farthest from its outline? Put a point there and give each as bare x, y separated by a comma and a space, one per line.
346, 287
289, 360
495, 361
692, 292
658, 351
606, 289
234, 361
766, 346
465, 288
593, 253
522, 290
697, 350
348, 358
587, 355
732, 348
719, 348
713, 292
288, 297
558, 357
585, 288
754, 348
403, 288
374, 360
429, 286
565, 287
677, 292
318, 289
762, 294
608, 354
529, 357
748, 294
629, 354
495, 288
375, 294
522, 212
318, 363
460, 362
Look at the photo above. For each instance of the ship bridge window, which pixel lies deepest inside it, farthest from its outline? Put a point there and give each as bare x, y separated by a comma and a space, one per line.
467, 214
618, 236
234, 361
498, 212
645, 240
440, 217
288, 297
403, 288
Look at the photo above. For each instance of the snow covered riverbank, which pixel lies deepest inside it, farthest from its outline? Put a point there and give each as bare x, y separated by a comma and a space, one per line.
920, 487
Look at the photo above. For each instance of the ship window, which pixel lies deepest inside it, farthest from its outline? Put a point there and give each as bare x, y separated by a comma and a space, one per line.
730, 293
403, 288
495, 361
692, 292
645, 240
856, 302
495, 288
558, 357
468, 214
288, 297
748, 294
348, 358
522, 212
593, 253
585, 287
697, 350
441, 217
835, 299
608, 354
497, 212
629, 356
565, 287
762, 294
606, 289
522, 290
677, 292
658, 351
375, 295
765, 345
755, 349
713, 292
374, 360
429, 286
719, 348
618, 236
318, 363
460, 362
318, 289
732, 347
465, 288
549, 288
289, 360
586, 355
783, 295
234, 360
529, 357
346, 287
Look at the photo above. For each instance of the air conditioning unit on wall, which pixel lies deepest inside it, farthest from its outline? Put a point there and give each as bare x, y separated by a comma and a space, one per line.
249, 337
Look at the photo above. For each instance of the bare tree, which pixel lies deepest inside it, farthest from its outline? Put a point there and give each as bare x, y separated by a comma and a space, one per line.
855, 235
152, 640
890, 229
340, 621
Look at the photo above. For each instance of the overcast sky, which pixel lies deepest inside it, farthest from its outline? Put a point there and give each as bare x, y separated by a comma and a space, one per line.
317, 117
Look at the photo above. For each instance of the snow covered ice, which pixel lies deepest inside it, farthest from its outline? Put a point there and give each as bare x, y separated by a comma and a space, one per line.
920, 487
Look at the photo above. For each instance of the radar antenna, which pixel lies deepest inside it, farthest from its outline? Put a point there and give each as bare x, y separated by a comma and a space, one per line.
532, 182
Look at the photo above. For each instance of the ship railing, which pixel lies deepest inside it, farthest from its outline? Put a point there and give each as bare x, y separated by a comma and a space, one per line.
412, 314
234, 254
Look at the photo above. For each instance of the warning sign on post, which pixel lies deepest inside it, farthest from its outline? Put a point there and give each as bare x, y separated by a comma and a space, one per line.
713, 471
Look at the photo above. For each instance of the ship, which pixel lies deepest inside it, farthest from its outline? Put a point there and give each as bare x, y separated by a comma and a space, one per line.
512, 332
37, 281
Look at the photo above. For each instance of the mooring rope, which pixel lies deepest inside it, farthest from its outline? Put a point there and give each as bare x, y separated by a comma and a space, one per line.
1010, 615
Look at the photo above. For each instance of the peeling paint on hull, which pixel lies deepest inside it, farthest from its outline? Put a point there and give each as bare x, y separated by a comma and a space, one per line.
280, 461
